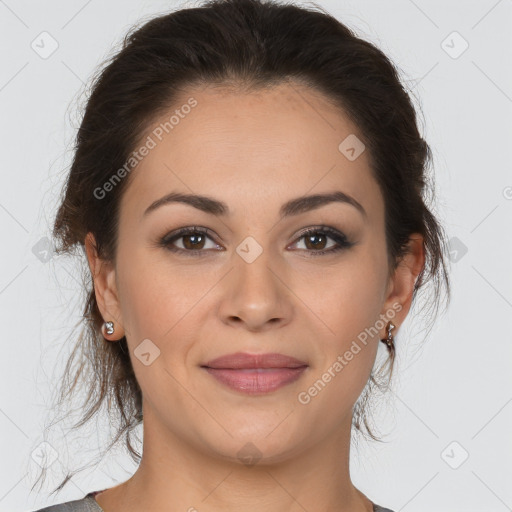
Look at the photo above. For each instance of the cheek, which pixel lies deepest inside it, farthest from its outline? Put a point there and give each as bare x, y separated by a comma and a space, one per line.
159, 300
348, 352
349, 296
351, 308
149, 303
155, 307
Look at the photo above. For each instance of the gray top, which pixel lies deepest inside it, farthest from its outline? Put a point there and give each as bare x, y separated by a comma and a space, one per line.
89, 504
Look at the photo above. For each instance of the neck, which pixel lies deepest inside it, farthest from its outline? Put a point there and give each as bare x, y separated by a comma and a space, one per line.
175, 475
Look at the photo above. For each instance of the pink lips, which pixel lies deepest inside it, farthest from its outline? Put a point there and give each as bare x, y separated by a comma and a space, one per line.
255, 373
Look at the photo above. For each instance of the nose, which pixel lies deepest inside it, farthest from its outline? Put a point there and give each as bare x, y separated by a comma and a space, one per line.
255, 296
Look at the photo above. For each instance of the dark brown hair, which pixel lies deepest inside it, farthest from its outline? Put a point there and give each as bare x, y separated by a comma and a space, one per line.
249, 44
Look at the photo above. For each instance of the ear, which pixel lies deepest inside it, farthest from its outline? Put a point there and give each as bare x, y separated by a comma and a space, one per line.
105, 288
401, 284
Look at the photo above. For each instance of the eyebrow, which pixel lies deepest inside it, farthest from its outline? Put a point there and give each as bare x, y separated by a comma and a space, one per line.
290, 208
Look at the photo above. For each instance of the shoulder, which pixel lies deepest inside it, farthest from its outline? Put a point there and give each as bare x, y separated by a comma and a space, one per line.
86, 504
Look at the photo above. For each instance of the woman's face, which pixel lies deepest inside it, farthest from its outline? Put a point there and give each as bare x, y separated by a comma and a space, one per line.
254, 283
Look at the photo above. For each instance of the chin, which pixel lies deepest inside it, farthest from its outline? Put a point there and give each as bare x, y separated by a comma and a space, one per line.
256, 448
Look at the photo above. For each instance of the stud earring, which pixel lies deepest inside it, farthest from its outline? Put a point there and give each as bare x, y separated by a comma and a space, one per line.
109, 327
389, 340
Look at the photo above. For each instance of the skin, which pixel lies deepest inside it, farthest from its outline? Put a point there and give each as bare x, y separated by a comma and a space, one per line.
254, 151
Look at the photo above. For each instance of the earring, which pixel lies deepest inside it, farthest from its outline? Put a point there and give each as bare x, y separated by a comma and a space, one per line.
389, 340
109, 327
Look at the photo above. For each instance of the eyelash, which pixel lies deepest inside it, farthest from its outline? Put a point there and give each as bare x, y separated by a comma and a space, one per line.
338, 237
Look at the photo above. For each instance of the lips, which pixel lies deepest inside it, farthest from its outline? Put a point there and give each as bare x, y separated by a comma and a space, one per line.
255, 374
242, 360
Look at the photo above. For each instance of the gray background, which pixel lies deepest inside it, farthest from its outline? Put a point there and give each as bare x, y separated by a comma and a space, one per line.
453, 393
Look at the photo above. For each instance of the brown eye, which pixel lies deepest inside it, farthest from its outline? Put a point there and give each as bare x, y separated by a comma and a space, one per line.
193, 240
316, 241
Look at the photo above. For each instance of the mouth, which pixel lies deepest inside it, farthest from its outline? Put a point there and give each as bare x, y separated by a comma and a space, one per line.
255, 374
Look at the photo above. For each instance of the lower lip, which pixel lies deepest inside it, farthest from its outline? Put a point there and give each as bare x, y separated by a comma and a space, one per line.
256, 381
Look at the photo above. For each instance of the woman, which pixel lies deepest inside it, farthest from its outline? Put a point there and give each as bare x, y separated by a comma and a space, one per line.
248, 186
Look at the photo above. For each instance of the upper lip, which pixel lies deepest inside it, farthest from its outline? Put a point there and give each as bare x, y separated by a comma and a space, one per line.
243, 360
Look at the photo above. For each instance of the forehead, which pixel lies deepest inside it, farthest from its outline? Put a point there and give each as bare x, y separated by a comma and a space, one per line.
263, 146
